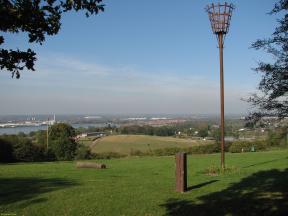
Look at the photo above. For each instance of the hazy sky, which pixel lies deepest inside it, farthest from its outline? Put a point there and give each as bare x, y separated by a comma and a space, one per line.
140, 57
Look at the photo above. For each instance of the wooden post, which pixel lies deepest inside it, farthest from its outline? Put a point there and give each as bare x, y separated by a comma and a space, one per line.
181, 172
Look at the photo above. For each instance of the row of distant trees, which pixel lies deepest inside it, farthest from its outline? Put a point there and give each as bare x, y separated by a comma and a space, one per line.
206, 130
198, 129
181, 130
148, 130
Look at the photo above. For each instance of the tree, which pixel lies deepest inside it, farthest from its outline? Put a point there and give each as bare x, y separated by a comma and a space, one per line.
19, 148
25, 150
62, 139
203, 132
38, 18
272, 99
278, 136
216, 134
61, 129
64, 148
41, 138
83, 152
6, 151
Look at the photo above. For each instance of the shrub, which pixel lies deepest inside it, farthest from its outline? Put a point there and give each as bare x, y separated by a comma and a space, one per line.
20, 148
39, 153
6, 151
239, 146
49, 155
164, 131
278, 137
83, 152
64, 148
258, 145
204, 149
24, 150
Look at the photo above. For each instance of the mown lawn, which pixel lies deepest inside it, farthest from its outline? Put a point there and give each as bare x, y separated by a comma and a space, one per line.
256, 185
125, 144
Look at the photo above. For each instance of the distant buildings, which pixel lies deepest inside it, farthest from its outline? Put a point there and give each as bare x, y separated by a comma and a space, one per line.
94, 134
51, 122
30, 122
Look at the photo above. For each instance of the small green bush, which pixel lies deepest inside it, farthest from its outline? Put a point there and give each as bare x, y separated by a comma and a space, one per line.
204, 149
277, 137
83, 152
239, 146
246, 146
260, 145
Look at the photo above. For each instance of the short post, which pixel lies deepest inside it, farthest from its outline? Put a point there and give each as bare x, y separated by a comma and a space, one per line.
181, 172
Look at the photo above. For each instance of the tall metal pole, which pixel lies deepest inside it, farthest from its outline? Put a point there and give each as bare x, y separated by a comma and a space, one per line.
220, 42
220, 16
47, 134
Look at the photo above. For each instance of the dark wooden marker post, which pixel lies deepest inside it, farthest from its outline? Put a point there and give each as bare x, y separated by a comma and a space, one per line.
181, 172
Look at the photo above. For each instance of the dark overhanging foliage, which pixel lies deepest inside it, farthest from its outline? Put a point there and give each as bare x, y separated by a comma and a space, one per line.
273, 87
38, 18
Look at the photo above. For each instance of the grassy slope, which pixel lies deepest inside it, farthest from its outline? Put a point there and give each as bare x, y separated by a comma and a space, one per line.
145, 186
124, 144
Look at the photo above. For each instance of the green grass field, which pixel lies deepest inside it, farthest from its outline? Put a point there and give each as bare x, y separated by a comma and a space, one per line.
258, 184
125, 144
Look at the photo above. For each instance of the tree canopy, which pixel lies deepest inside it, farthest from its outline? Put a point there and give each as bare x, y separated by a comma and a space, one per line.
63, 142
272, 97
38, 18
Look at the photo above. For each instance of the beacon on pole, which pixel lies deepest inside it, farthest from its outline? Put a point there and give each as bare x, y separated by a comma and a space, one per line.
220, 16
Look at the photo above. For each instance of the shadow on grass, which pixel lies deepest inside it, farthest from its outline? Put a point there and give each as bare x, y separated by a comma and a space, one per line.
265, 162
263, 193
201, 185
27, 189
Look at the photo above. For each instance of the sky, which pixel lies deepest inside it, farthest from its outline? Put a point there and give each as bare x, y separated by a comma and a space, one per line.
141, 57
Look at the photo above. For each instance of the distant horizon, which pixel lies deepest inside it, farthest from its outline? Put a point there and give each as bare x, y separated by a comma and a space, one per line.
123, 114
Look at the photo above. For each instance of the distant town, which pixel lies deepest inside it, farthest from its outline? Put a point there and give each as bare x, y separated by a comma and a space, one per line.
12, 121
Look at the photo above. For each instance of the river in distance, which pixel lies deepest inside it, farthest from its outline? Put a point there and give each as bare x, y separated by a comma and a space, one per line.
28, 129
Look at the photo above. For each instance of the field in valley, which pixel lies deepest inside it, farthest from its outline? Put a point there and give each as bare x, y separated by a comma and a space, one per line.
256, 184
125, 144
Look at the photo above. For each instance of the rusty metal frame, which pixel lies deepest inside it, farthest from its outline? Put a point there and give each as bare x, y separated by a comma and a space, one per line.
220, 17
